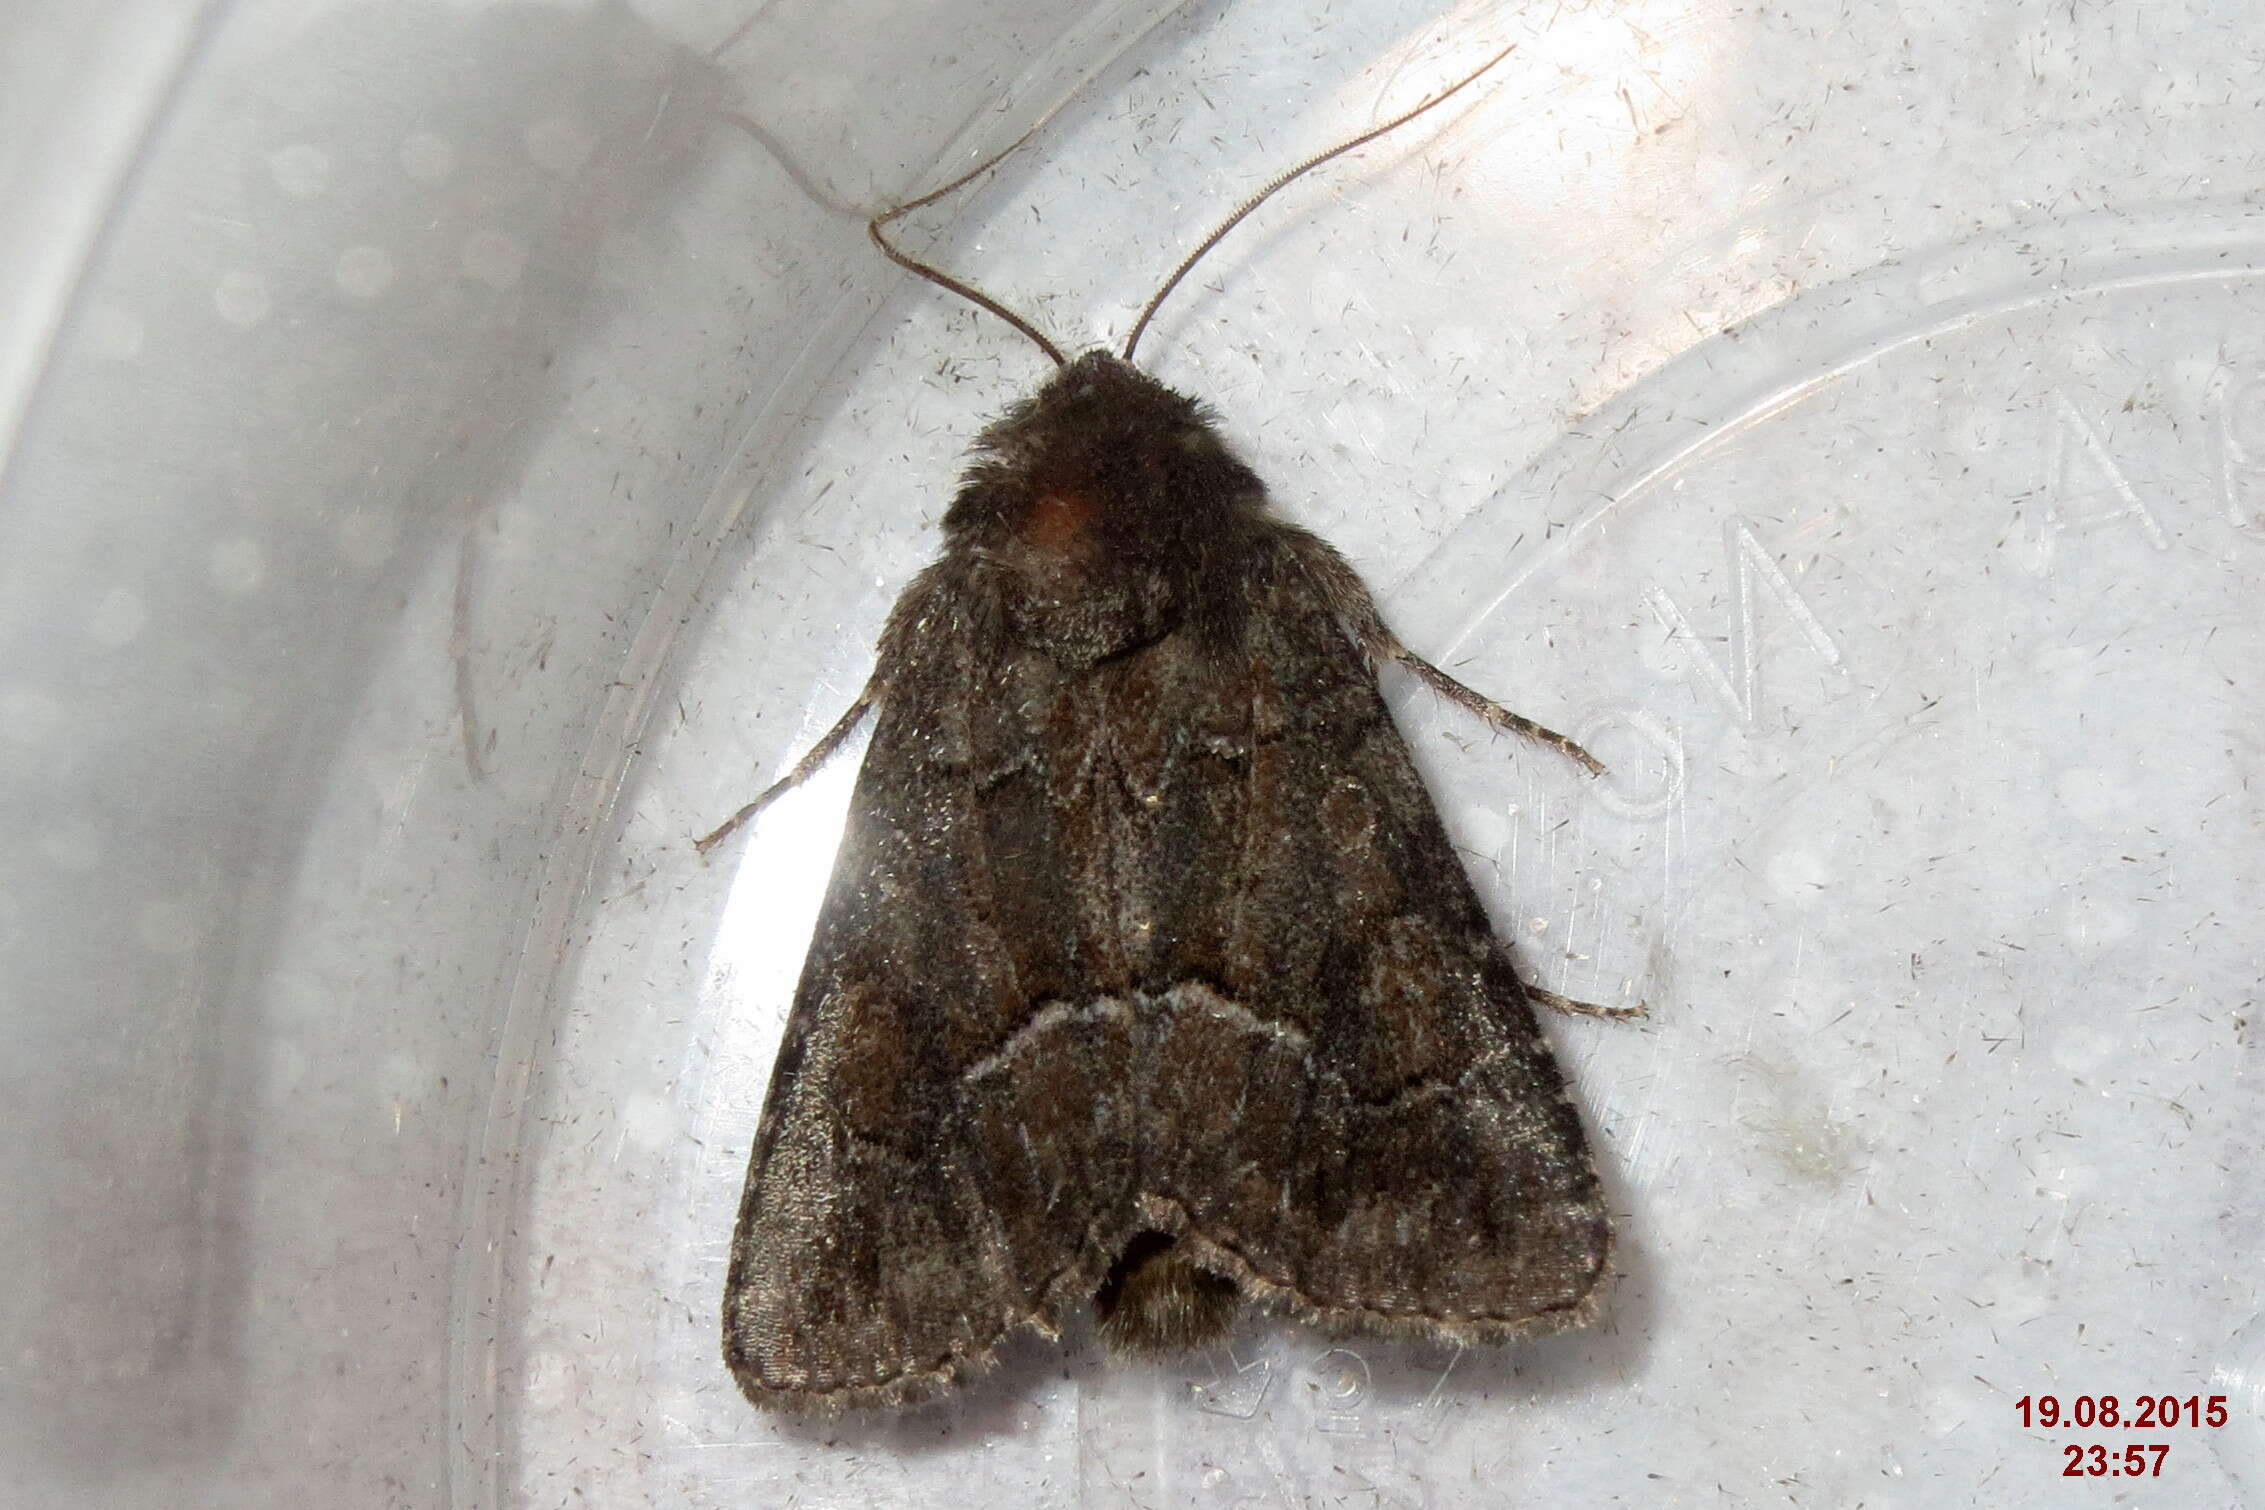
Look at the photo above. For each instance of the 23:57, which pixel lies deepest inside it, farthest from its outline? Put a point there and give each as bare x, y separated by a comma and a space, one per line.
2096, 1461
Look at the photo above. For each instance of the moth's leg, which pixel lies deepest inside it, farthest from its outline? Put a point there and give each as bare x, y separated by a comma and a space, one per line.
1572, 1008
804, 769
1383, 643
1349, 595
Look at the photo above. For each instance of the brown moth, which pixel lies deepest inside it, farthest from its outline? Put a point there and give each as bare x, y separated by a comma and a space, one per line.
1147, 977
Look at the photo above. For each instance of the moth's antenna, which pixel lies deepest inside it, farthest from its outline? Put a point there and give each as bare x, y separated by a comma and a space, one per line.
873, 226
1188, 263
746, 25
942, 279
811, 187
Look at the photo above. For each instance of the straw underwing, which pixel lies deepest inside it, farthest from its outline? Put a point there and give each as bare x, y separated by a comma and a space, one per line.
1147, 977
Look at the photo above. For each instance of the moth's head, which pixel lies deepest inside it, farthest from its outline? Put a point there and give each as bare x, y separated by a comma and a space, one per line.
1102, 457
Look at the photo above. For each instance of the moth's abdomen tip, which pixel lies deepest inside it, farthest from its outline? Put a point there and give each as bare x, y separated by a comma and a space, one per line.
1156, 1303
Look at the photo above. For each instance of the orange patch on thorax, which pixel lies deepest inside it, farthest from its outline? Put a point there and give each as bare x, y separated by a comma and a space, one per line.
1061, 524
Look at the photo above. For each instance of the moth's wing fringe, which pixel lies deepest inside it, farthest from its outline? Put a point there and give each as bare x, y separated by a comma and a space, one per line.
924, 1384
912, 1387
1277, 1294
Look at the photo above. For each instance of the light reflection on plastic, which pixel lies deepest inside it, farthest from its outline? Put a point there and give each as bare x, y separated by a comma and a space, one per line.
1614, 91
784, 858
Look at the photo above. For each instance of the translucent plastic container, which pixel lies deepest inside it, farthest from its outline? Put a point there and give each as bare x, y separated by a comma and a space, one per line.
456, 453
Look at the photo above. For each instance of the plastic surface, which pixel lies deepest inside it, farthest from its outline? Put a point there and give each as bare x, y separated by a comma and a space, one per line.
467, 465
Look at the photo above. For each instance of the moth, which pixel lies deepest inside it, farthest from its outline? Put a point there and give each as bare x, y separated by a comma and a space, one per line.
1147, 977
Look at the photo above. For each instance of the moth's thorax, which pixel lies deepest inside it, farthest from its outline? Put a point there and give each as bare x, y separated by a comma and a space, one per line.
1096, 507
